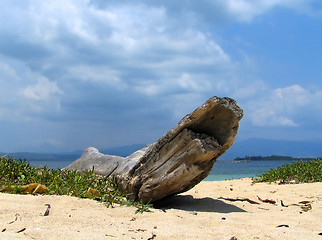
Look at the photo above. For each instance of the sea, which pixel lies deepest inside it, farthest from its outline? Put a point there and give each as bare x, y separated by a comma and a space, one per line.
230, 169
222, 169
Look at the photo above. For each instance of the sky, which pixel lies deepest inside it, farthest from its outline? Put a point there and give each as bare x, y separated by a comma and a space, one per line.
80, 73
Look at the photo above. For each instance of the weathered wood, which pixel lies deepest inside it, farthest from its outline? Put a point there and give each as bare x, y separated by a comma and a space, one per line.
176, 162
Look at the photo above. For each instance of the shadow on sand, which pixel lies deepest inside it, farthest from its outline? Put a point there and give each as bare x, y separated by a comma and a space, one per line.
189, 203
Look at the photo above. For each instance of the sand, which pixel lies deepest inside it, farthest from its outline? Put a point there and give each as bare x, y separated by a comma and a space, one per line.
200, 213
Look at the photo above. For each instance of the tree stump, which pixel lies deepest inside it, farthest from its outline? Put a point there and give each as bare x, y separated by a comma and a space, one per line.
178, 161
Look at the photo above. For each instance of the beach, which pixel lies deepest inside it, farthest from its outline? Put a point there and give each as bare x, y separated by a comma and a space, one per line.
232, 209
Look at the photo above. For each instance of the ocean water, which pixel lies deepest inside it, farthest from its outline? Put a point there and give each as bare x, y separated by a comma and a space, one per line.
228, 169
222, 169
51, 164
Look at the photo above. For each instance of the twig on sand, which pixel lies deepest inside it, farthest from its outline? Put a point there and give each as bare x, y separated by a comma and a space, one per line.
110, 235
153, 236
304, 205
47, 210
283, 205
239, 199
21, 230
266, 200
16, 218
283, 225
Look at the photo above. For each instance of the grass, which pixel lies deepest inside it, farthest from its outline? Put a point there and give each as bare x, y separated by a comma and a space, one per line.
297, 172
17, 173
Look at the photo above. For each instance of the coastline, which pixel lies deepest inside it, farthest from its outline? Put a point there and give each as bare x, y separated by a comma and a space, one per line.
201, 213
222, 169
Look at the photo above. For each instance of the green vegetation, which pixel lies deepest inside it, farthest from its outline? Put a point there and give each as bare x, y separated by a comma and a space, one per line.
298, 172
272, 157
17, 173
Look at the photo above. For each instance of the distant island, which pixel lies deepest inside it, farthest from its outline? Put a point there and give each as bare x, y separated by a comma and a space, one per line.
272, 157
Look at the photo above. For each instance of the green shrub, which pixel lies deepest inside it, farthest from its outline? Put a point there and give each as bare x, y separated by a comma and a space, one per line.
298, 172
16, 173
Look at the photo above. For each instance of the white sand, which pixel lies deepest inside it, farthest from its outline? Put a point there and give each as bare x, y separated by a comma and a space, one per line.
196, 214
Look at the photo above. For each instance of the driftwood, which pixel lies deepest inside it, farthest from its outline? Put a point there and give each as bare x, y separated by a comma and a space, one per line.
176, 162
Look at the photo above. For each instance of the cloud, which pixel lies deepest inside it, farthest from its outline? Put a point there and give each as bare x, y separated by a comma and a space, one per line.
214, 11
124, 49
246, 10
295, 94
43, 90
108, 63
96, 74
40, 97
285, 106
24, 92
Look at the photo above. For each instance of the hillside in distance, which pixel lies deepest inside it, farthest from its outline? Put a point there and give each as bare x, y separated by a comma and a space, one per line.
32, 156
265, 147
72, 156
271, 158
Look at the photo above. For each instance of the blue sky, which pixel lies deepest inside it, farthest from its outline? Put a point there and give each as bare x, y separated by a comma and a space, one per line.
79, 73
